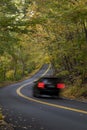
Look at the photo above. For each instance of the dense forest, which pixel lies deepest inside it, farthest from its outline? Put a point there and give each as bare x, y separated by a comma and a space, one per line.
43, 31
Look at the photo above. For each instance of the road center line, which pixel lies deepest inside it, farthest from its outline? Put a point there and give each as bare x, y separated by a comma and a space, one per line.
46, 103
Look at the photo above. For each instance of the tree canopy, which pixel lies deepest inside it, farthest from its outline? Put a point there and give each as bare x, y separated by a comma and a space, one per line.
53, 29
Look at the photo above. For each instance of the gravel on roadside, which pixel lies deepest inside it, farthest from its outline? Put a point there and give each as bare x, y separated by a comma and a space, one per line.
5, 126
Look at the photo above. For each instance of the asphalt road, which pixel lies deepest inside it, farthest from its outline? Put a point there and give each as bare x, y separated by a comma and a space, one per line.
28, 113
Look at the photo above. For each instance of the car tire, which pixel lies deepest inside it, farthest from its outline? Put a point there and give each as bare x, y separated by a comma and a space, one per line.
56, 97
36, 93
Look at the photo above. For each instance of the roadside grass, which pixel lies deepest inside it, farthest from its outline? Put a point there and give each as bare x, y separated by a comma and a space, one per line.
6, 83
1, 116
76, 92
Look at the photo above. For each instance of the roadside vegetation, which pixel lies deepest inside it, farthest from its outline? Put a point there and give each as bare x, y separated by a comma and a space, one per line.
44, 31
1, 116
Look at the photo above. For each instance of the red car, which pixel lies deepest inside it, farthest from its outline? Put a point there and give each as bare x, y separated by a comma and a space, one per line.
48, 86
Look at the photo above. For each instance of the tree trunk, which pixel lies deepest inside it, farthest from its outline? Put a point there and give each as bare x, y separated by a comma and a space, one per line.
85, 30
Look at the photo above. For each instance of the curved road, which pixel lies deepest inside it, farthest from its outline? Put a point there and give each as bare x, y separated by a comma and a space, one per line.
28, 113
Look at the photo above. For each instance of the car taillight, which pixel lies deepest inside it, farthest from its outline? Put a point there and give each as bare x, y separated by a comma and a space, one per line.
61, 85
41, 85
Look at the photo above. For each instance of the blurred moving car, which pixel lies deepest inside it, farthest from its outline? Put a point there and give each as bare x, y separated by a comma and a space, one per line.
48, 86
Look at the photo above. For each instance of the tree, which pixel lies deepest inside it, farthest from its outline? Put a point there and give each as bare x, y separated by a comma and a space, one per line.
66, 39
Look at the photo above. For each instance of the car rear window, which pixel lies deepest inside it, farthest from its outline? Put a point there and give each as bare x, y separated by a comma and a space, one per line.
51, 80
